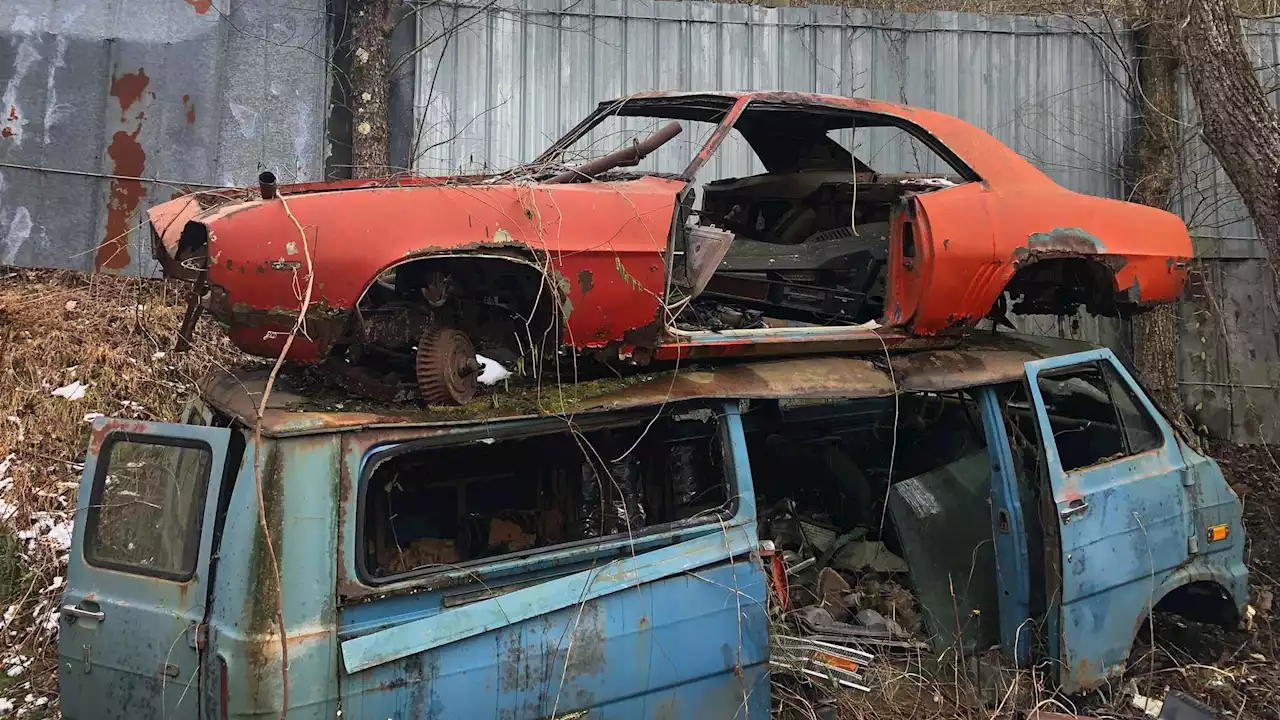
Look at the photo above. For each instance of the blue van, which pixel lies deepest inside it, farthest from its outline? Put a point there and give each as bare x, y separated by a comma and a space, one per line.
593, 551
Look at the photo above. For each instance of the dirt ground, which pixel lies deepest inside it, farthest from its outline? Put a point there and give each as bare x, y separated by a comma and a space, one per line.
114, 337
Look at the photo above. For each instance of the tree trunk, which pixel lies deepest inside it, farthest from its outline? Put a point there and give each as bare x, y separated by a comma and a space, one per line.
1155, 332
1239, 125
370, 23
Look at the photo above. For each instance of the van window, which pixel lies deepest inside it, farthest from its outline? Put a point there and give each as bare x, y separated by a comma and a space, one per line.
1140, 429
146, 506
1095, 417
437, 507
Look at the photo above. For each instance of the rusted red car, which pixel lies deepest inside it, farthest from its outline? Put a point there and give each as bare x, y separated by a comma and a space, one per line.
664, 227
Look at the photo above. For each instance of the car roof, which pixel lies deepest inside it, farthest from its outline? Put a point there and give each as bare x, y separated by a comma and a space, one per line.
983, 359
991, 160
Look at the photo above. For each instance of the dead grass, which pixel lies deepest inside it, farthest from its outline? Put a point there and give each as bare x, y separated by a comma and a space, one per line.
114, 335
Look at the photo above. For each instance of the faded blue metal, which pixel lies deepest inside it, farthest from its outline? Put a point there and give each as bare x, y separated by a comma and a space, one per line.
676, 627
450, 626
1126, 528
666, 625
298, 484
1013, 576
126, 642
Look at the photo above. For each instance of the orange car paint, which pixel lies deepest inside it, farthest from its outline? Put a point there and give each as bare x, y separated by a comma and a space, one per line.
604, 244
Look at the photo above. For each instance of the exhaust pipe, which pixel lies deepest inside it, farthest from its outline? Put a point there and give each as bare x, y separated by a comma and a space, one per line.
267, 185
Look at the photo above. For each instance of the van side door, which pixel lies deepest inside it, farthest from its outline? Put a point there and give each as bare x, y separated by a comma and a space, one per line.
131, 616
1123, 518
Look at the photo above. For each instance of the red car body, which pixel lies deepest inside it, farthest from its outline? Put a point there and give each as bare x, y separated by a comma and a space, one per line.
605, 247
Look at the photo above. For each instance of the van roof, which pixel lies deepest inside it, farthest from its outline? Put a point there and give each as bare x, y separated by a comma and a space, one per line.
982, 359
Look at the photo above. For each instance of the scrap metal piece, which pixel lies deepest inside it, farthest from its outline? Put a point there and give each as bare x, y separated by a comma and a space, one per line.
707, 246
944, 526
623, 157
192, 314
447, 368
267, 185
820, 659
1179, 706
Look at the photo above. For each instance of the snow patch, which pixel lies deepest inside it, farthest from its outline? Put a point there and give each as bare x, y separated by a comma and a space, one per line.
493, 372
74, 391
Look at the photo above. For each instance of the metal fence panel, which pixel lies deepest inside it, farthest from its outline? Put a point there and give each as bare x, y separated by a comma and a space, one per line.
202, 92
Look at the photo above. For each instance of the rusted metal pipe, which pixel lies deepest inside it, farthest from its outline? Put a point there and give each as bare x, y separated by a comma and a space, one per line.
624, 157
267, 185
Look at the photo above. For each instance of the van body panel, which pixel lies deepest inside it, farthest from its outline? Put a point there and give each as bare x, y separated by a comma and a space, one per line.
243, 628
138, 569
1129, 530
669, 622
664, 624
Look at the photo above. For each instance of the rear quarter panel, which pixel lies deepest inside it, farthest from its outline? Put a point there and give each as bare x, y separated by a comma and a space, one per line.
1146, 249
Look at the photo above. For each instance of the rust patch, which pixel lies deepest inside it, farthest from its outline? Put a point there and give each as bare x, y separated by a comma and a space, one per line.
128, 89
201, 6
7, 132
111, 427
191, 109
13, 113
127, 158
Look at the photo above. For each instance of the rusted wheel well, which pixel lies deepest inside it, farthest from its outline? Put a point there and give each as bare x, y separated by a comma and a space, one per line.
1203, 601
1061, 285
499, 298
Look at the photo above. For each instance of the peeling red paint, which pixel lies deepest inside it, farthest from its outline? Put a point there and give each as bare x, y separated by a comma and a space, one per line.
191, 109
201, 6
128, 89
129, 159
13, 113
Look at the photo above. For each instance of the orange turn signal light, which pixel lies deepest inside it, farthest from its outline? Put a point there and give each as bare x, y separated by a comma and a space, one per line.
1218, 532
836, 661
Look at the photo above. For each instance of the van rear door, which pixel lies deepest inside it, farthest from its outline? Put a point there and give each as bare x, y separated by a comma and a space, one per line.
138, 570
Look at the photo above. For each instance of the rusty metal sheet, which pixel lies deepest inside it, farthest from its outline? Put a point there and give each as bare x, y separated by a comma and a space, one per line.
111, 108
981, 361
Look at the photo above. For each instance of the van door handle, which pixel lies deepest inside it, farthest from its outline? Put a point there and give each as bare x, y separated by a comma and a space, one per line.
79, 612
1075, 507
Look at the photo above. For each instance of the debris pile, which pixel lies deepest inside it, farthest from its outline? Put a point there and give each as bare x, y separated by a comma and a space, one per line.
840, 596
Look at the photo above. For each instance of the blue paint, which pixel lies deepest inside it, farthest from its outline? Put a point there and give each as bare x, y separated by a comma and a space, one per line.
110, 667
1013, 576
670, 624
1130, 546
405, 639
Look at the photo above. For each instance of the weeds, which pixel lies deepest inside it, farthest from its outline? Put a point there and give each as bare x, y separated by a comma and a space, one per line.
112, 335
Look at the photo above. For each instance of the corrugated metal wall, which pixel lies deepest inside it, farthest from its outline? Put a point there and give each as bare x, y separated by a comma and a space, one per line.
202, 92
